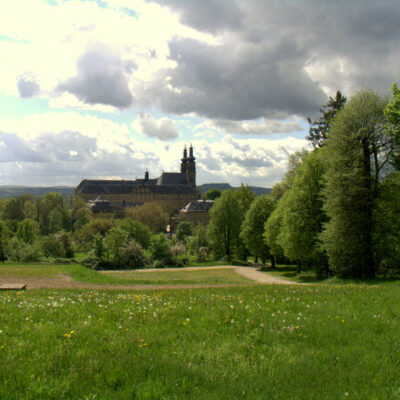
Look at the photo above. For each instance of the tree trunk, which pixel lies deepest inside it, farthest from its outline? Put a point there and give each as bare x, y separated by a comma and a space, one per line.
272, 259
367, 267
298, 264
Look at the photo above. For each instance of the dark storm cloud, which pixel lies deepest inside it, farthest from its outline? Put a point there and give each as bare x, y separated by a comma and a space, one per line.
27, 87
274, 57
101, 79
247, 83
207, 15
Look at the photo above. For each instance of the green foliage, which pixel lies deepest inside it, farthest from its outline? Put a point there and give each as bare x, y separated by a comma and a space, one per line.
80, 217
98, 246
53, 246
160, 249
30, 210
273, 226
114, 241
253, 226
386, 237
96, 226
319, 129
198, 244
3, 242
246, 197
133, 256
392, 113
19, 251
303, 215
224, 226
53, 214
137, 231
66, 239
356, 139
151, 214
14, 209
212, 194
28, 230
183, 230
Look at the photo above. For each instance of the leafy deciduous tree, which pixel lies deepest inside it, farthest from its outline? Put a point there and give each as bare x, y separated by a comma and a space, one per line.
253, 227
357, 151
224, 225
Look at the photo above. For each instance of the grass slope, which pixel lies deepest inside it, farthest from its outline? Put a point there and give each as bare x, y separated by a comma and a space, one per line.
262, 342
143, 277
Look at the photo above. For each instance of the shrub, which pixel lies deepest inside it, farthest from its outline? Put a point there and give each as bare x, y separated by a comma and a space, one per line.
66, 240
19, 251
202, 254
138, 231
133, 256
52, 246
184, 230
160, 249
178, 249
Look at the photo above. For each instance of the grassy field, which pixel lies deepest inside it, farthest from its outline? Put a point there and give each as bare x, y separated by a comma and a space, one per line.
261, 342
143, 277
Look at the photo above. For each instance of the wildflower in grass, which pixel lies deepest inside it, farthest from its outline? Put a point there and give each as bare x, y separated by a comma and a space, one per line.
69, 335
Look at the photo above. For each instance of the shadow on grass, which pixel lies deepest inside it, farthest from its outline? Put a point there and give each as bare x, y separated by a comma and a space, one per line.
290, 272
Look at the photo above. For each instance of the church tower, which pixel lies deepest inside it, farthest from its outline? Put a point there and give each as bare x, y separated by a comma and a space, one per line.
191, 168
184, 162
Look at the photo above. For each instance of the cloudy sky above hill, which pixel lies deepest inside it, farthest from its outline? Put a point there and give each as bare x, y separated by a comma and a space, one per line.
108, 88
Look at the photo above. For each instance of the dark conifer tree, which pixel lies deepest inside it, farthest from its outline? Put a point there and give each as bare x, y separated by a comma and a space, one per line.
319, 128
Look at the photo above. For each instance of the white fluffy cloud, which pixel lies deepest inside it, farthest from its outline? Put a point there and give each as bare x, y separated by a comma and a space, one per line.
161, 128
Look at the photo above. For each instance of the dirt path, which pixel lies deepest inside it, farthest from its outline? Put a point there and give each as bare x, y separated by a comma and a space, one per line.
66, 282
262, 277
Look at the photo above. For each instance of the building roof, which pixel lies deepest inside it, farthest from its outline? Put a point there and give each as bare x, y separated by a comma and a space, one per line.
171, 178
167, 183
198, 206
106, 187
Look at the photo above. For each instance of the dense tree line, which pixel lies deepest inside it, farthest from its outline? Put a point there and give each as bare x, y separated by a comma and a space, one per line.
337, 209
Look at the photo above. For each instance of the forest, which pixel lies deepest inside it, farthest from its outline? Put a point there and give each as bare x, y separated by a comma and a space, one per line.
336, 211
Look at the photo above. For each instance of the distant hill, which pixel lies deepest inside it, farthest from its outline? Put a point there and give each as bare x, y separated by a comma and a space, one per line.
225, 186
14, 191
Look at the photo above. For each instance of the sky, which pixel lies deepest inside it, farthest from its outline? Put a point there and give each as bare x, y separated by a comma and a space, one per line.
105, 89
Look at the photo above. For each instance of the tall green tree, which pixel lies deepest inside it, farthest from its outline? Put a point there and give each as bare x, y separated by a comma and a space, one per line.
253, 228
303, 214
273, 226
356, 152
392, 113
28, 230
224, 225
386, 236
319, 128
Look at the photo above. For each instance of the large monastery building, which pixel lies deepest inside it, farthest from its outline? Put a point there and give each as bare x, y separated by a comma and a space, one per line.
175, 188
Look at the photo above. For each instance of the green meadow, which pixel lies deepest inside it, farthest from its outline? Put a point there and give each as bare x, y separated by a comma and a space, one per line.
129, 277
256, 342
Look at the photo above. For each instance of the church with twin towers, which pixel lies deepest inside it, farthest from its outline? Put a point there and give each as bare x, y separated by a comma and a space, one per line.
175, 189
